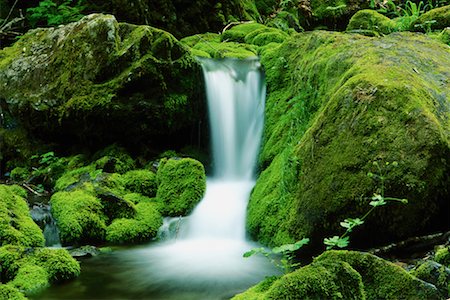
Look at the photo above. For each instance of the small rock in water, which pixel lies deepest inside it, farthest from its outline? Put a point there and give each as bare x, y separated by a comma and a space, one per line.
84, 251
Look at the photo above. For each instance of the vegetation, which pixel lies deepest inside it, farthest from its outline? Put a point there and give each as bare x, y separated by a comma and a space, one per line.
53, 13
181, 185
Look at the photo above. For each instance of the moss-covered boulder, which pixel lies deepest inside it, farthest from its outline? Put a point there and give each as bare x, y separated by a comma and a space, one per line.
344, 275
29, 270
435, 19
442, 256
337, 103
79, 216
181, 185
97, 81
140, 181
140, 229
16, 225
371, 21
435, 274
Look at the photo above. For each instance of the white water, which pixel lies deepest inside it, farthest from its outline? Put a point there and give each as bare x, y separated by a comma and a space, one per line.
207, 254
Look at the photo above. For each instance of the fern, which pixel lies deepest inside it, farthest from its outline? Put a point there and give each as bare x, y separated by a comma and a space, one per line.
55, 12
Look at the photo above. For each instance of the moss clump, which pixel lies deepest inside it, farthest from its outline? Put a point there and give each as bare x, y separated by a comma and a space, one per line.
337, 102
58, 263
442, 256
371, 20
74, 178
31, 270
181, 185
7, 291
239, 32
31, 279
114, 159
436, 274
140, 229
435, 19
140, 181
16, 225
344, 275
20, 174
79, 215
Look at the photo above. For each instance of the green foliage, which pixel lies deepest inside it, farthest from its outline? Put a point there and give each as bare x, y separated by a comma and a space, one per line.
140, 181
434, 273
79, 216
377, 200
287, 252
442, 256
16, 225
140, 229
181, 185
52, 13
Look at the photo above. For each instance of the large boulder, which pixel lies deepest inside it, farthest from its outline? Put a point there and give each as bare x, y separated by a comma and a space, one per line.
97, 81
344, 275
336, 104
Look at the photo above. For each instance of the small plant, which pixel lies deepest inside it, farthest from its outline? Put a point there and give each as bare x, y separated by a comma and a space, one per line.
286, 263
378, 199
55, 12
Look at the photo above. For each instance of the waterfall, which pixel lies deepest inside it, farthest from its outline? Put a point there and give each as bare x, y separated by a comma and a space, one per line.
207, 254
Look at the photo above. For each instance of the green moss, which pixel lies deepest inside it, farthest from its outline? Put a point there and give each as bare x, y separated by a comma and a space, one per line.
114, 206
31, 279
181, 185
140, 229
10, 258
16, 225
435, 19
238, 33
444, 36
74, 178
58, 263
114, 159
138, 198
79, 216
434, 273
140, 181
337, 102
382, 279
7, 291
371, 20
442, 256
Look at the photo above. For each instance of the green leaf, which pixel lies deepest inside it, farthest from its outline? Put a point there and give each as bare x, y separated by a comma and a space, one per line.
336, 241
378, 200
254, 251
351, 223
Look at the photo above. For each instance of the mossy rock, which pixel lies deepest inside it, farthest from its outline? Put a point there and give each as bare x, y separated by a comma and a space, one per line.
333, 14
435, 274
140, 229
7, 291
210, 45
140, 181
114, 159
32, 269
336, 103
371, 20
435, 19
16, 225
442, 256
120, 83
79, 216
344, 275
181, 185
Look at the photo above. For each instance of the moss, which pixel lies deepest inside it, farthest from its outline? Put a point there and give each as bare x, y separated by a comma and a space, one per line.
435, 19
337, 102
217, 49
31, 270
114, 159
140, 229
238, 33
16, 225
137, 198
442, 256
58, 263
114, 206
434, 273
7, 291
181, 185
31, 279
140, 181
382, 279
103, 85
444, 36
371, 20
79, 216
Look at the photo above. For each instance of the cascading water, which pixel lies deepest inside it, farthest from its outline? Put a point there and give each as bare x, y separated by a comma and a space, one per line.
204, 260
207, 253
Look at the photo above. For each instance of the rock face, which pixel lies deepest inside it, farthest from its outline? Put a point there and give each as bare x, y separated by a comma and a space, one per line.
336, 104
100, 81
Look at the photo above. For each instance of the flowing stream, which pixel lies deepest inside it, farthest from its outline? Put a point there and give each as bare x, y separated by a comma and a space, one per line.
204, 260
